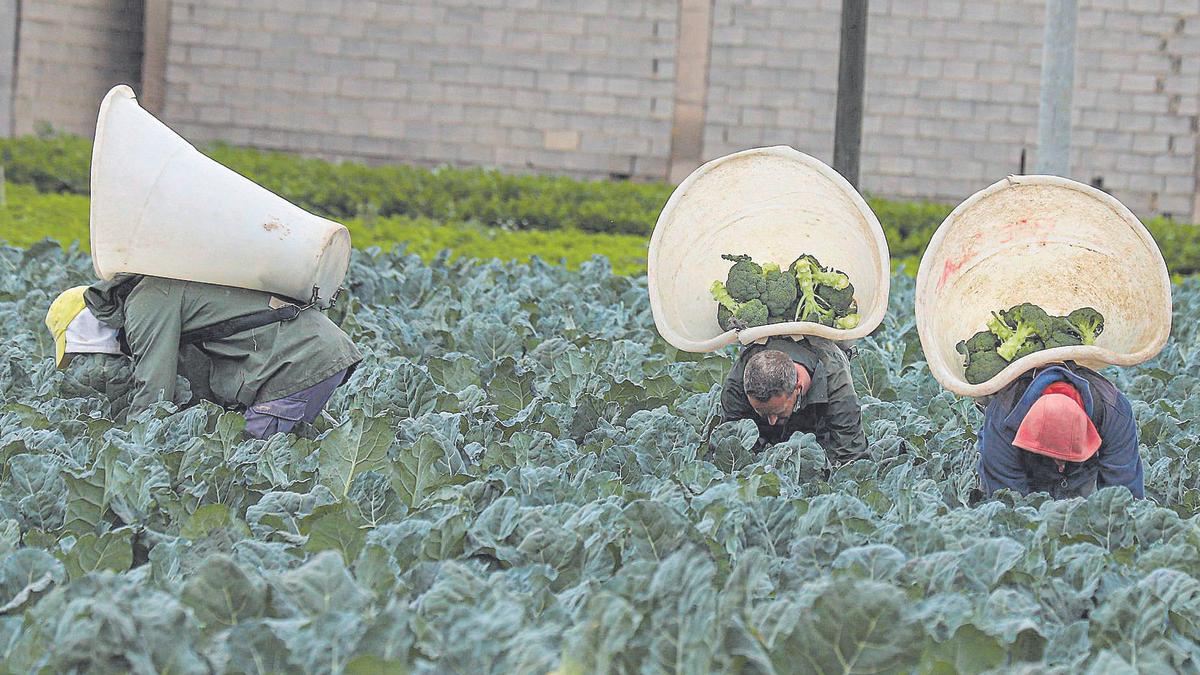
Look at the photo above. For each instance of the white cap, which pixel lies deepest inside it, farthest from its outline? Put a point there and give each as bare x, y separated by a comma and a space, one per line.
87, 335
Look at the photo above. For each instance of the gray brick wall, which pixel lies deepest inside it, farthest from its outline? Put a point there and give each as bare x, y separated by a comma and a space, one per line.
579, 86
587, 87
70, 52
952, 92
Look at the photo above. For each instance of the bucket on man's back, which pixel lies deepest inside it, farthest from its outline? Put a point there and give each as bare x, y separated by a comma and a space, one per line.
159, 207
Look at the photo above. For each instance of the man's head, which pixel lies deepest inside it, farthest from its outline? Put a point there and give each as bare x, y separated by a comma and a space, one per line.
76, 330
773, 384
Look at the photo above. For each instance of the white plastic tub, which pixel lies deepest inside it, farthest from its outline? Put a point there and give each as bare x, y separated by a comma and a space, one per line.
1052, 242
160, 207
774, 204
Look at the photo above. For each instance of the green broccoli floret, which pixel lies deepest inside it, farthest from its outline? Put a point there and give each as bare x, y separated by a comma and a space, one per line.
984, 366
781, 293
1088, 324
1031, 345
751, 314
746, 280
734, 315
1026, 313
839, 299
983, 341
847, 322
1062, 334
1014, 330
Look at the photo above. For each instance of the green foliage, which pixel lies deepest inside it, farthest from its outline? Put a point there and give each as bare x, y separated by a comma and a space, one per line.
524, 478
30, 217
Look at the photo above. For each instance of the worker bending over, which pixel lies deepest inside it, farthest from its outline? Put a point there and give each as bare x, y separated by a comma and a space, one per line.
279, 362
788, 385
1062, 429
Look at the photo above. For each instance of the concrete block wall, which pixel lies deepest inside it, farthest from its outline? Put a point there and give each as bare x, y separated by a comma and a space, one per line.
577, 86
952, 92
69, 53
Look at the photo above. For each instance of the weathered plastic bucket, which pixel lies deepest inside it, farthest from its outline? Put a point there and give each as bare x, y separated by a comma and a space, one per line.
1052, 242
160, 207
774, 204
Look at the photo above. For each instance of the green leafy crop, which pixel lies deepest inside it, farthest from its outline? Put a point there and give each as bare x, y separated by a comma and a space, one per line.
523, 477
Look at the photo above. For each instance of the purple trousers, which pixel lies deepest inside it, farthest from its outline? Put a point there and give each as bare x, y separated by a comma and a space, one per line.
283, 414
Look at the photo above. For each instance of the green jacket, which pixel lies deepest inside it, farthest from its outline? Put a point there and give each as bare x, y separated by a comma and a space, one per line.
250, 367
829, 410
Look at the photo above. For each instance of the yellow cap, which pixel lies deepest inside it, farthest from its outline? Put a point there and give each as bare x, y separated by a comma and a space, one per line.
62, 312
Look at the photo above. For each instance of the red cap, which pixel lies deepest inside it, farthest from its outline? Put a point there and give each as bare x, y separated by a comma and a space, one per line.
1057, 426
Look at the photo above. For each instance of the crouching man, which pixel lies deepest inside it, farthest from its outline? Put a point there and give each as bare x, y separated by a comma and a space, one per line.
1062, 429
277, 361
788, 385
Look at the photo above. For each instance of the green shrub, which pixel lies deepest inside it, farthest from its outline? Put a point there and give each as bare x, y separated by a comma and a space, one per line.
51, 162
466, 199
31, 216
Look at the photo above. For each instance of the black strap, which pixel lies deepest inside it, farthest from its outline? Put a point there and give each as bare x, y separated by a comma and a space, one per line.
240, 324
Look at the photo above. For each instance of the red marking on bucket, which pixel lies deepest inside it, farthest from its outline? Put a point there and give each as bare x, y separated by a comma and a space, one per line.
952, 267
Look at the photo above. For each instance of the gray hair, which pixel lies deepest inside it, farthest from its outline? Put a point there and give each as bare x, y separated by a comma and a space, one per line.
768, 374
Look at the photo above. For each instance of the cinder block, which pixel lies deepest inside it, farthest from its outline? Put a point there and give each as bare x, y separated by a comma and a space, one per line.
567, 140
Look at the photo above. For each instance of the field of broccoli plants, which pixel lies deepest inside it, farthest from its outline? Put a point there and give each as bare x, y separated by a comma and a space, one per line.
525, 479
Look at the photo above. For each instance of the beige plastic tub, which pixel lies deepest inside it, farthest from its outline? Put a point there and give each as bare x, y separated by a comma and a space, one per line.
1055, 243
774, 204
162, 208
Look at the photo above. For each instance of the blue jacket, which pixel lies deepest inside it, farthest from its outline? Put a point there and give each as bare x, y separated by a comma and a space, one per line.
1002, 465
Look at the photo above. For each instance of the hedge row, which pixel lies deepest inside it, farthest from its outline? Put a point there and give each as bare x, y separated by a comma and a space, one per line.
59, 163
30, 216
348, 191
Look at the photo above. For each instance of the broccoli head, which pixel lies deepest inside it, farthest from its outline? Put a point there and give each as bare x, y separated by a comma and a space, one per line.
746, 280
1062, 334
1032, 315
751, 314
781, 292
839, 299
984, 366
1088, 324
824, 295
822, 276
983, 341
1016, 327
734, 315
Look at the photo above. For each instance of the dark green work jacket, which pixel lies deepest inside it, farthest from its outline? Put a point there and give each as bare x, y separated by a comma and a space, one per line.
829, 410
261, 364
